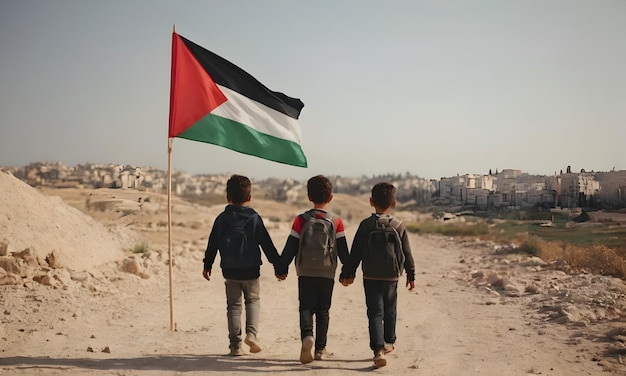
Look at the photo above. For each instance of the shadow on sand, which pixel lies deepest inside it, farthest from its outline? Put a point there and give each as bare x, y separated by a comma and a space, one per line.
186, 363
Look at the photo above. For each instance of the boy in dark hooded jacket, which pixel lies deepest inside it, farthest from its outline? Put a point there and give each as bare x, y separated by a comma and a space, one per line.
381, 291
237, 234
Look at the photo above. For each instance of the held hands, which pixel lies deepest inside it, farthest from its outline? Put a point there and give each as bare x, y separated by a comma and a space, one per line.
206, 274
281, 277
410, 284
346, 281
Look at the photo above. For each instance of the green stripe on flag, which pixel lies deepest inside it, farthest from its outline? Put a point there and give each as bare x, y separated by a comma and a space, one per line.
230, 134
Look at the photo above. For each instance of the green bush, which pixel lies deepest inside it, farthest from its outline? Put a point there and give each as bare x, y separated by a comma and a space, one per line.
140, 248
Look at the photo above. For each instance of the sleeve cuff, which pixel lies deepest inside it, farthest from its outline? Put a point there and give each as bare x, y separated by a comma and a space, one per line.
281, 269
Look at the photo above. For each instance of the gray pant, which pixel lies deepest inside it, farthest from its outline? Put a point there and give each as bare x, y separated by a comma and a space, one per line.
234, 303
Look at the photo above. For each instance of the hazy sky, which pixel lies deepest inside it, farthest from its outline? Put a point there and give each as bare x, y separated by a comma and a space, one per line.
433, 88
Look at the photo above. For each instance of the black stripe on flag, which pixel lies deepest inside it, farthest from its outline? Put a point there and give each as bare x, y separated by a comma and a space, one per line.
229, 75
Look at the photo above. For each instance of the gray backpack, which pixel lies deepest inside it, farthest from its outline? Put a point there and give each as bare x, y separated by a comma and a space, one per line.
383, 257
317, 243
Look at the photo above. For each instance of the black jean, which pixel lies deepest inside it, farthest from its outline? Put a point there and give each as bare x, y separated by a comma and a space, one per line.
381, 298
315, 295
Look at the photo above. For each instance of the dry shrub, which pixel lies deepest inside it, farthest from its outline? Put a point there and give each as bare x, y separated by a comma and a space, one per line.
532, 245
596, 259
546, 250
551, 251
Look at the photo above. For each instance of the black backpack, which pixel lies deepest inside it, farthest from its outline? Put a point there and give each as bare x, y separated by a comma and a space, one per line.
317, 243
383, 256
234, 247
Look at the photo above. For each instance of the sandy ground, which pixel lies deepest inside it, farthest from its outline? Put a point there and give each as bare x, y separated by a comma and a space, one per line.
456, 321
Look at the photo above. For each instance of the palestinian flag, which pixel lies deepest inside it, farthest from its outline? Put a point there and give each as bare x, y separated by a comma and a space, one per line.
214, 101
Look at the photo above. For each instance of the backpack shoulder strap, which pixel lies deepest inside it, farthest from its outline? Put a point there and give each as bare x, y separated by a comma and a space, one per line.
309, 214
392, 221
312, 213
330, 217
252, 218
395, 222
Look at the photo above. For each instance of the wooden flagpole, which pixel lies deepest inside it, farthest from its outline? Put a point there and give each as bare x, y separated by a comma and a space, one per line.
169, 228
170, 140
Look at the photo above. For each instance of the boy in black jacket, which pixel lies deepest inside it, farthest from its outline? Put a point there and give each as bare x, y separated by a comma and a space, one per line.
237, 233
381, 290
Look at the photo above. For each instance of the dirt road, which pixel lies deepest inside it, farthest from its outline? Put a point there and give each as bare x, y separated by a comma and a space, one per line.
446, 326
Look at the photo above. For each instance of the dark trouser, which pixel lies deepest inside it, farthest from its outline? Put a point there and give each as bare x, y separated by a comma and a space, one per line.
315, 295
381, 298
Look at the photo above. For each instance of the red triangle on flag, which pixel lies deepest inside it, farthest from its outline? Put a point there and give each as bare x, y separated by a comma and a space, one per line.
193, 94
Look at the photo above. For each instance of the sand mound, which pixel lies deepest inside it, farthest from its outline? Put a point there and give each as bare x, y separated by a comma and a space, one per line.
29, 219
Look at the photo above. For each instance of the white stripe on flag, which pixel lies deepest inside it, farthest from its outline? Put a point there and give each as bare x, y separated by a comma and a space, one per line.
258, 116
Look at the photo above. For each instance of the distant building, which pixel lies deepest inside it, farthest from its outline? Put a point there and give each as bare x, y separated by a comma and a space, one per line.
508, 188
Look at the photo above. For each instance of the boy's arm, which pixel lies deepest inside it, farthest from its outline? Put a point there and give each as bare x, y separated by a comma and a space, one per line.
269, 249
292, 245
348, 270
211, 252
341, 242
342, 250
409, 262
290, 250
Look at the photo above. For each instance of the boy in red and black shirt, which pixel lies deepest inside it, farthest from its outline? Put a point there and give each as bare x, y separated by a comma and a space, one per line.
315, 286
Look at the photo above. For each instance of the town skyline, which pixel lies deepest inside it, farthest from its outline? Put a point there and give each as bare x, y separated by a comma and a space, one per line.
261, 176
500, 188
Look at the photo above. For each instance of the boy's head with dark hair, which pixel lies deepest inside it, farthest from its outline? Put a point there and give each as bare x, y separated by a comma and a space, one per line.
238, 189
319, 189
383, 196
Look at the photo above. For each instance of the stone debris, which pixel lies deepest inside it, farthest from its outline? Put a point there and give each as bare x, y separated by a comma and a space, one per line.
4, 248
134, 266
558, 297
